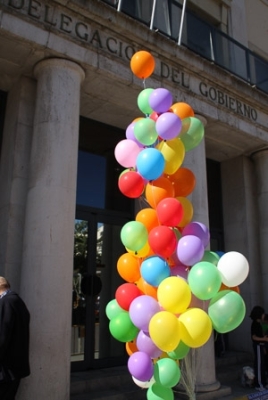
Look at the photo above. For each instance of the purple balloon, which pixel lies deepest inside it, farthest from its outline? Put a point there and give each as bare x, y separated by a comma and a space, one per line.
180, 270
144, 343
190, 250
197, 229
160, 100
140, 366
142, 310
130, 134
168, 126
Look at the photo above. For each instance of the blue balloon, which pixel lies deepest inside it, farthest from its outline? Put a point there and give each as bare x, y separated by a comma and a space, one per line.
154, 270
150, 163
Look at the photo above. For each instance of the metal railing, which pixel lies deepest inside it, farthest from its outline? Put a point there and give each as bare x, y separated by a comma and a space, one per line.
197, 35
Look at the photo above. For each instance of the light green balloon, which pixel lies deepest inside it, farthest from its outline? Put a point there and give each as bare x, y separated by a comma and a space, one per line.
226, 311
134, 235
192, 132
211, 257
143, 101
167, 372
113, 309
144, 131
122, 328
204, 280
158, 392
180, 352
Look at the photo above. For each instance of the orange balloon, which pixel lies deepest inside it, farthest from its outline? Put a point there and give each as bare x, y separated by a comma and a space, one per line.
183, 181
131, 347
157, 190
234, 288
182, 110
136, 119
188, 211
146, 288
128, 267
142, 64
148, 217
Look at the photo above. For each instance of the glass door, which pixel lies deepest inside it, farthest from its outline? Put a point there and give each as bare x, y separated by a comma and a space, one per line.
97, 247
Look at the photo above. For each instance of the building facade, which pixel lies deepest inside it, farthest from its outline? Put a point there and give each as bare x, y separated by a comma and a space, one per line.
67, 97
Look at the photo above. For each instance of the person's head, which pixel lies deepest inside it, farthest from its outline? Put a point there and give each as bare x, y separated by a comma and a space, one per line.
4, 284
257, 313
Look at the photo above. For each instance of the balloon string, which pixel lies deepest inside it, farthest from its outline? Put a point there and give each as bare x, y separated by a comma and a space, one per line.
144, 84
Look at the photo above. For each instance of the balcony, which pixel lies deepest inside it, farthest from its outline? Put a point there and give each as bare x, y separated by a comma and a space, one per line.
198, 36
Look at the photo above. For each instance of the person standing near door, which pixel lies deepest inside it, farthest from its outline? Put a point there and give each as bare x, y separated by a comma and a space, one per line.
258, 340
14, 341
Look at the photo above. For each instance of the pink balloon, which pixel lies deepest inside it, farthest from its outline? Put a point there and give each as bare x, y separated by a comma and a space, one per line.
168, 125
126, 152
190, 250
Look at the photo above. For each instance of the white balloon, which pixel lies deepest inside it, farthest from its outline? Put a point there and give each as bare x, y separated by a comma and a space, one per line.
234, 268
144, 385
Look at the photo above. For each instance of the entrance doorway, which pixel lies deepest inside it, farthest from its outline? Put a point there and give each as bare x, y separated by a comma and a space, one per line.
97, 247
101, 212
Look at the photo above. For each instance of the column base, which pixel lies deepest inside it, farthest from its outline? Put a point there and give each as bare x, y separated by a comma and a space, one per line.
206, 392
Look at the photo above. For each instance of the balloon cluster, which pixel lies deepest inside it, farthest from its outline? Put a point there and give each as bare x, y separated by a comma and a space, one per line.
166, 268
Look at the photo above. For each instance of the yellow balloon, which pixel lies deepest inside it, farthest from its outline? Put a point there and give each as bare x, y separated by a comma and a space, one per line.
195, 327
174, 294
188, 211
164, 330
173, 151
143, 252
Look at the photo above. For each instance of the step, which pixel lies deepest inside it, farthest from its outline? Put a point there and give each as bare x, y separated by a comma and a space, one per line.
116, 383
229, 367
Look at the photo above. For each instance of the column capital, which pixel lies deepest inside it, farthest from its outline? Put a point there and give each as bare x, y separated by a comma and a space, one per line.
260, 153
61, 63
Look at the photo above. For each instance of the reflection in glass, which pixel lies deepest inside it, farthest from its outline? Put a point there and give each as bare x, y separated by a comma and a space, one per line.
95, 280
79, 300
108, 250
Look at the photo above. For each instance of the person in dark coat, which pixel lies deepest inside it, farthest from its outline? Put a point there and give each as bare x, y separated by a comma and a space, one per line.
258, 341
14, 341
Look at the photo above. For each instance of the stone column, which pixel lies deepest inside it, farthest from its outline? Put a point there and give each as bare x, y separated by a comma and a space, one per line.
14, 176
47, 265
204, 357
261, 167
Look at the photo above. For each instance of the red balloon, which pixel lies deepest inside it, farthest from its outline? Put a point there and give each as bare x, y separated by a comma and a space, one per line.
169, 211
162, 241
125, 294
131, 184
154, 115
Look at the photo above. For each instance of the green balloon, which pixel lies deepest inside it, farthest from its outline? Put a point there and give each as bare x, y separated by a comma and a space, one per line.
122, 328
158, 392
192, 132
134, 235
204, 280
211, 257
167, 372
226, 311
143, 101
113, 309
180, 352
144, 131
